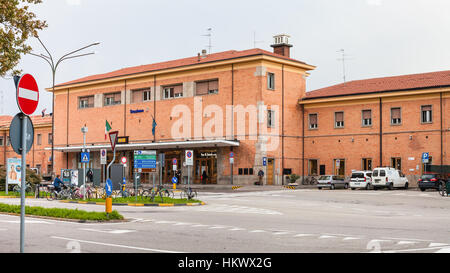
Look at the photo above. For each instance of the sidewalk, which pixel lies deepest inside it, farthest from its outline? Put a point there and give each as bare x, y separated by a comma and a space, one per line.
202, 187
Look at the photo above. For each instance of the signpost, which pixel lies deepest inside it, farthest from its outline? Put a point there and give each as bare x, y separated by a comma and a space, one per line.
231, 167
27, 97
189, 160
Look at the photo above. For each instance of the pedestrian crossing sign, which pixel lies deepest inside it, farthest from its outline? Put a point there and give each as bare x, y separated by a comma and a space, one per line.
84, 157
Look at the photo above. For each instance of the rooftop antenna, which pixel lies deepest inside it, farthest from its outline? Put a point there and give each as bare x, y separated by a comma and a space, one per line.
209, 35
254, 40
343, 59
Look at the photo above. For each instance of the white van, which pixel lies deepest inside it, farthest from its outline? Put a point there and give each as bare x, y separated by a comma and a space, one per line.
361, 179
387, 177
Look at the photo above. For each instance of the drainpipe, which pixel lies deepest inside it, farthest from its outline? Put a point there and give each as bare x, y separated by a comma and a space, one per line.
381, 132
442, 136
282, 124
303, 142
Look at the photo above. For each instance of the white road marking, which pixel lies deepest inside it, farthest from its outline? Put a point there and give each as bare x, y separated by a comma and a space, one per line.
27, 221
115, 245
281, 233
303, 235
350, 238
443, 250
236, 229
327, 237
405, 243
110, 231
437, 244
216, 227
257, 231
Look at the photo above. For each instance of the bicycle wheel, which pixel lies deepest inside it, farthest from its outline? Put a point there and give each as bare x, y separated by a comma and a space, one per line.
51, 196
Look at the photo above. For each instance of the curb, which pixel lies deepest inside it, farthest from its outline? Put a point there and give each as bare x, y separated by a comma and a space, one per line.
235, 187
66, 219
290, 187
135, 205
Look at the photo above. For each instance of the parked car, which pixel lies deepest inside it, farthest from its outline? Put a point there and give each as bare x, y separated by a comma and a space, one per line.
361, 179
387, 177
332, 182
432, 181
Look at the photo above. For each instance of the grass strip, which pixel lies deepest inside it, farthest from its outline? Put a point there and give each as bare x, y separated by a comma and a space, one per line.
63, 213
13, 193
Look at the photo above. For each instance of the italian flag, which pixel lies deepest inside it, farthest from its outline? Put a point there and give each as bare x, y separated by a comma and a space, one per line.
107, 129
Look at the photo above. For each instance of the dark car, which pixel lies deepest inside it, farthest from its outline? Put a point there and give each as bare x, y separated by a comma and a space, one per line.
432, 181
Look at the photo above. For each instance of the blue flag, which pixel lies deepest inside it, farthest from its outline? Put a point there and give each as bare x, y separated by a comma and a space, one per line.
153, 126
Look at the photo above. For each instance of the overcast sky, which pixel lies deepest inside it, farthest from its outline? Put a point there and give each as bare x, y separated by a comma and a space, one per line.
380, 37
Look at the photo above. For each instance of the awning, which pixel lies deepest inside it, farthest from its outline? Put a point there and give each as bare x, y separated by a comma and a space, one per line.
154, 145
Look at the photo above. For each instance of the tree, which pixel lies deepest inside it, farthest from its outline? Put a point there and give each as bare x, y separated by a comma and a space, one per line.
17, 24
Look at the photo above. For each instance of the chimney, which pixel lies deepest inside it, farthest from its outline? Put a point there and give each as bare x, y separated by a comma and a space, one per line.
281, 45
203, 53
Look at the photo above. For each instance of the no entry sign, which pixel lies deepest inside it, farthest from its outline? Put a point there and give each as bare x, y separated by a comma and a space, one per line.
27, 94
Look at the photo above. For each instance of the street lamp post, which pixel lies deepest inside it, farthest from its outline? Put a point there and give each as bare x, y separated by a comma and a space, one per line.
54, 66
84, 130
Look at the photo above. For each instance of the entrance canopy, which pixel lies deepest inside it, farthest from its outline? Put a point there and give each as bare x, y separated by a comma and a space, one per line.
155, 145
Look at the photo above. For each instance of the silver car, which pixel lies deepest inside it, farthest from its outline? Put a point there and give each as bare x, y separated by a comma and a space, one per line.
332, 182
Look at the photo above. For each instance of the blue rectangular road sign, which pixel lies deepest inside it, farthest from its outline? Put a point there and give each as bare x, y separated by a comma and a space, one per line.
425, 157
145, 159
264, 161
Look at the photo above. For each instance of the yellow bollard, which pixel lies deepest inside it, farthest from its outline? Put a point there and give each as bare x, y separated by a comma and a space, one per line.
108, 205
174, 186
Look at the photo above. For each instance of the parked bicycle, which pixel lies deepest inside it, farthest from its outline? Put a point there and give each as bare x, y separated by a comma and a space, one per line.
28, 188
188, 193
160, 191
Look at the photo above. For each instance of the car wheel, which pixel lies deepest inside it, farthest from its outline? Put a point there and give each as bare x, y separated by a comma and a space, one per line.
391, 186
319, 188
367, 186
422, 189
332, 187
346, 186
353, 189
406, 185
375, 188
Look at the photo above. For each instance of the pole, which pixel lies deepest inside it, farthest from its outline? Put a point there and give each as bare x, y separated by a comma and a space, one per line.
23, 169
110, 163
84, 164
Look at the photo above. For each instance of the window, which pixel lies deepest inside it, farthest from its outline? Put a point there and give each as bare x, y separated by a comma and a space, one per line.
50, 138
39, 139
141, 95
366, 117
38, 167
427, 116
396, 116
366, 164
322, 170
1, 141
339, 119
170, 92
270, 118
207, 87
396, 162
270, 81
112, 99
86, 102
312, 121
312, 170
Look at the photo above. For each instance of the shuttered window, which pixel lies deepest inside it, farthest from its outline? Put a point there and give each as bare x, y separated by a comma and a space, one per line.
313, 121
173, 91
86, 102
396, 116
207, 87
339, 119
367, 117
112, 99
141, 95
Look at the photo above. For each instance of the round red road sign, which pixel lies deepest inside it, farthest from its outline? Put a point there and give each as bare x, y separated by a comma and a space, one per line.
27, 94
123, 160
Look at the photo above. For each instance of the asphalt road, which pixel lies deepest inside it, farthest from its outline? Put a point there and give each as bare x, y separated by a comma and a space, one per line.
300, 221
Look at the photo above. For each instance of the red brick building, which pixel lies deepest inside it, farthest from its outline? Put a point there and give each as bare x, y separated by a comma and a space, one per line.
38, 157
390, 121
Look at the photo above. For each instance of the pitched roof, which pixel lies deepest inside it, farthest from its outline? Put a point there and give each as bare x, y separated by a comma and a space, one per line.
5, 121
220, 56
386, 84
